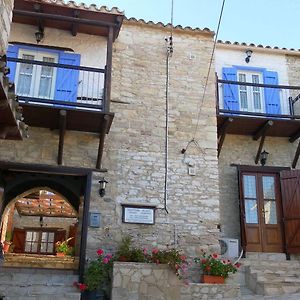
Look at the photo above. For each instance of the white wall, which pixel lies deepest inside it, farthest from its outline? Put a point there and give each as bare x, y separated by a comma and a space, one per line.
271, 61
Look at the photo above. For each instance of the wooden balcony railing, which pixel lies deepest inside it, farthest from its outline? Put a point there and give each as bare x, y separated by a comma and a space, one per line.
54, 84
259, 100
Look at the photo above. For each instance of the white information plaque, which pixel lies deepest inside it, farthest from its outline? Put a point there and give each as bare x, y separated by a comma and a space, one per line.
138, 214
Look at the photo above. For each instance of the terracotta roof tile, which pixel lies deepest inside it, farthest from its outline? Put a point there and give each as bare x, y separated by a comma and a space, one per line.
251, 45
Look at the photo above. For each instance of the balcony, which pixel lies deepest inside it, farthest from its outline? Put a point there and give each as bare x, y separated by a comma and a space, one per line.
257, 110
46, 88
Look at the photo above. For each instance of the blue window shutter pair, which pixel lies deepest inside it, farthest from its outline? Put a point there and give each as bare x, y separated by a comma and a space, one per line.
230, 91
67, 80
271, 95
12, 51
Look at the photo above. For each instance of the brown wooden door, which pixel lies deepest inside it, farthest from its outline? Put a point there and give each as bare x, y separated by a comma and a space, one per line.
19, 240
261, 212
290, 188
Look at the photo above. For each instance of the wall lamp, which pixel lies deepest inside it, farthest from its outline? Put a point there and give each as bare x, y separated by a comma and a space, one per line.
263, 157
102, 185
39, 35
248, 53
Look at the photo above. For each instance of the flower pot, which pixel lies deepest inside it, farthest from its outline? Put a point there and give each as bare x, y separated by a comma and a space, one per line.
60, 254
89, 295
212, 279
6, 246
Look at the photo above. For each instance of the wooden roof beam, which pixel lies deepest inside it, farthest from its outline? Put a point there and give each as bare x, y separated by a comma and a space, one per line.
294, 136
62, 131
222, 133
101, 141
261, 144
262, 130
74, 28
296, 157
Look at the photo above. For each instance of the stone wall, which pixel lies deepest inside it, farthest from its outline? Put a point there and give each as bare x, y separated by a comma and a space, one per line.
144, 281
135, 148
242, 150
6, 7
134, 151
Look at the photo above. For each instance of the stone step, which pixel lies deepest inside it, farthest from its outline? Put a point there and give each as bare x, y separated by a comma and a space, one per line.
28, 284
271, 289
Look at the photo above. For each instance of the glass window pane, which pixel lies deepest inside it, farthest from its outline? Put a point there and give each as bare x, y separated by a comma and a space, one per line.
44, 236
27, 247
268, 187
50, 248
244, 101
51, 237
270, 212
256, 99
249, 186
46, 79
43, 247
25, 76
34, 247
251, 211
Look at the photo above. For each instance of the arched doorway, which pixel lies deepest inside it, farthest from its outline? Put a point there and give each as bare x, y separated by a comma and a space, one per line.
41, 205
37, 220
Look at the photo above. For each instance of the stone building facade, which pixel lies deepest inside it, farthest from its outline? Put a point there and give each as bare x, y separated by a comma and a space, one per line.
6, 7
134, 154
241, 149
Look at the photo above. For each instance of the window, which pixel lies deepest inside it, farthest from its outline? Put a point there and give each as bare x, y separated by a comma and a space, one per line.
39, 242
34, 80
251, 97
41, 81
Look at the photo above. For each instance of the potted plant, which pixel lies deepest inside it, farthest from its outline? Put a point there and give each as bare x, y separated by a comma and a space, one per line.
215, 269
97, 276
7, 243
62, 248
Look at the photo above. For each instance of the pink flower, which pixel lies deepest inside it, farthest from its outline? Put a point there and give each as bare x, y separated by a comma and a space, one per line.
183, 257
108, 256
203, 261
100, 252
215, 255
155, 250
145, 251
105, 260
237, 265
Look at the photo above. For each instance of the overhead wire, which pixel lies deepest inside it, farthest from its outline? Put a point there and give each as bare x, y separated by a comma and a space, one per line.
169, 42
200, 104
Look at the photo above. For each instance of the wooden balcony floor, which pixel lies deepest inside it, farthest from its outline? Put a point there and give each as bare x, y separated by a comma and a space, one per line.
77, 119
246, 125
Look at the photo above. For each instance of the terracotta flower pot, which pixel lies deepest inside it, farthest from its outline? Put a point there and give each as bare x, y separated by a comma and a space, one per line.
6, 246
60, 254
212, 279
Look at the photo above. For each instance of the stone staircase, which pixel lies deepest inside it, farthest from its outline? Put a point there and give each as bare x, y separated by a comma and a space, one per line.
271, 274
37, 284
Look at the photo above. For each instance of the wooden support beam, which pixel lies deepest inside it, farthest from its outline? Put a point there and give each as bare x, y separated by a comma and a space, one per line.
222, 133
262, 130
74, 28
261, 144
62, 131
101, 141
108, 69
296, 157
294, 137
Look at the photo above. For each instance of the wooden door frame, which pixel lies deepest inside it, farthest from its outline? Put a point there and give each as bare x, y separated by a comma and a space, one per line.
67, 171
255, 169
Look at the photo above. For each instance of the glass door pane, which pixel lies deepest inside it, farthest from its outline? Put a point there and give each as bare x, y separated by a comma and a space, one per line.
269, 200
46, 79
249, 189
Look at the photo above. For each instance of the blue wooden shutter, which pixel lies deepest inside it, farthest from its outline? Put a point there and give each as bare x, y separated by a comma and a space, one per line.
272, 97
67, 79
230, 91
12, 51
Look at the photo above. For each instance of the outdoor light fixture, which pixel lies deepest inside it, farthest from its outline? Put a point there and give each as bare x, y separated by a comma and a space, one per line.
263, 157
39, 35
248, 53
102, 184
41, 221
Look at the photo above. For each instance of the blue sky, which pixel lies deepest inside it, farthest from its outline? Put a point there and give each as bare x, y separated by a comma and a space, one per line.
266, 22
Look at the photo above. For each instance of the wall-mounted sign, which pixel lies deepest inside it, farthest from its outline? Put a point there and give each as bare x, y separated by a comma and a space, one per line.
138, 214
94, 219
